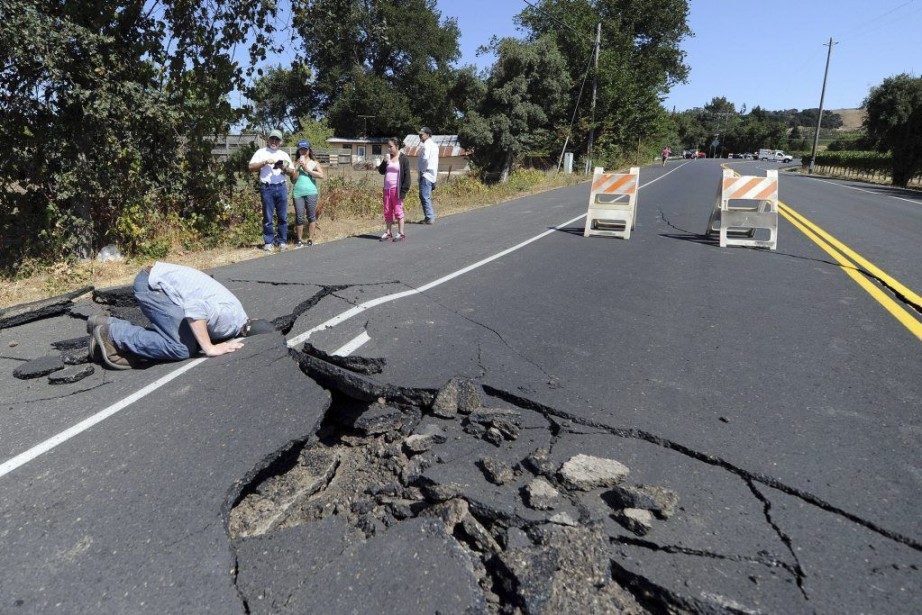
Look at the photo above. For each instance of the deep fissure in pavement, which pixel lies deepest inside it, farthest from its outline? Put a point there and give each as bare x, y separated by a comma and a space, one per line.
385, 455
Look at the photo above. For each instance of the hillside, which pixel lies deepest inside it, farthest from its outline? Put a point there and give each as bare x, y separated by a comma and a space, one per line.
851, 118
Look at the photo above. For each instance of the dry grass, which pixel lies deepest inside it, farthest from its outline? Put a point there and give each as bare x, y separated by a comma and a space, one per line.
64, 277
851, 118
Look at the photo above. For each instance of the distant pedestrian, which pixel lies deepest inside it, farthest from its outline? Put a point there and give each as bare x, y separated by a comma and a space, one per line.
273, 165
305, 193
396, 171
188, 310
667, 152
428, 167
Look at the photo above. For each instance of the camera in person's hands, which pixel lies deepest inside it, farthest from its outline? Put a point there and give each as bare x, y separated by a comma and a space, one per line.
279, 164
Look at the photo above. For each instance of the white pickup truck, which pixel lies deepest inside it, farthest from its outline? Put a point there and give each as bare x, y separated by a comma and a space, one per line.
774, 154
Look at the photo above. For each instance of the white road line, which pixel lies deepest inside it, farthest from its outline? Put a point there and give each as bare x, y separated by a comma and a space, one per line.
355, 311
40, 449
357, 342
874, 192
24, 458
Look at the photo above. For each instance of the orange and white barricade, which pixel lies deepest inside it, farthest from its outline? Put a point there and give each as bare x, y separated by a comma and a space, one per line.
612, 203
754, 208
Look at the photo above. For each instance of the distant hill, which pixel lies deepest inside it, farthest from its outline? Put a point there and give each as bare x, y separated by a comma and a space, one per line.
851, 118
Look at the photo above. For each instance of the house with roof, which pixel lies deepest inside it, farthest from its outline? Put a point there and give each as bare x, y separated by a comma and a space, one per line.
452, 157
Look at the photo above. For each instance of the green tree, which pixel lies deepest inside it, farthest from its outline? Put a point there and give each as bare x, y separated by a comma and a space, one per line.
894, 124
281, 96
104, 104
388, 58
639, 61
525, 90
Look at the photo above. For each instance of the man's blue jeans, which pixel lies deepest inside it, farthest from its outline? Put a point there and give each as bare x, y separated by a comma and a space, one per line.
425, 197
275, 201
171, 338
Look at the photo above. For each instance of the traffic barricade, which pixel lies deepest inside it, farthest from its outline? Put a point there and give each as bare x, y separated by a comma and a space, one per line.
612, 203
754, 208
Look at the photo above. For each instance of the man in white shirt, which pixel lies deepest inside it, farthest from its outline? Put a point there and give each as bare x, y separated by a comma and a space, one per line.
273, 164
428, 167
188, 310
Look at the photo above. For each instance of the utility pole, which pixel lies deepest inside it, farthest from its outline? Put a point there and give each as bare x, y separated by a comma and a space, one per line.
365, 124
819, 121
595, 80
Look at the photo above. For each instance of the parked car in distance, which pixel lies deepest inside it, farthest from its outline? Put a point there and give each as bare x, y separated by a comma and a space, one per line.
776, 155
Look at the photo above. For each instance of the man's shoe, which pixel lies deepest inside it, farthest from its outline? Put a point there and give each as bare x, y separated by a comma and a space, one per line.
269, 248
96, 320
428, 221
108, 351
283, 247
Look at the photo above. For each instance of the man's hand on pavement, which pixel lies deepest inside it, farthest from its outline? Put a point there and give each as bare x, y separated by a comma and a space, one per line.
217, 350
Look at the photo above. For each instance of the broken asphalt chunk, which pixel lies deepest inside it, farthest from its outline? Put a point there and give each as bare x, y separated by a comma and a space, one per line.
637, 520
585, 472
660, 501
68, 375
39, 367
35, 310
458, 395
372, 419
541, 495
497, 472
424, 439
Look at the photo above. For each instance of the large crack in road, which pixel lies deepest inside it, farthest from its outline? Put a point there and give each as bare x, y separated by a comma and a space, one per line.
477, 477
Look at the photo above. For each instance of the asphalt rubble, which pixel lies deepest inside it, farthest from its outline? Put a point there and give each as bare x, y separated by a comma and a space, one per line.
509, 530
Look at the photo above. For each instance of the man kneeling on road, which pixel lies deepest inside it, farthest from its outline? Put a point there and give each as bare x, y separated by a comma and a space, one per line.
188, 310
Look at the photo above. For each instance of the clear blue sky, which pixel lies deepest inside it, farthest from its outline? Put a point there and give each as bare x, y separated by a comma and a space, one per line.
770, 54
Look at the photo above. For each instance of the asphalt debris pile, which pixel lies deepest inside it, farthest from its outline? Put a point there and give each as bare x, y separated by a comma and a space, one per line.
535, 534
71, 362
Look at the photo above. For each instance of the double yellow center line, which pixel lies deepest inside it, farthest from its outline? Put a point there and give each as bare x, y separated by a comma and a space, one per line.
855, 266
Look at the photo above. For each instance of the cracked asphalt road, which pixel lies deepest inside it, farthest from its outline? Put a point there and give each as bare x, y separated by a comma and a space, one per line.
769, 391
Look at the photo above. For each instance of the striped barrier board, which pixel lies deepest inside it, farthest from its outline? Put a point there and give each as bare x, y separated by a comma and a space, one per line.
612, 203
736, 224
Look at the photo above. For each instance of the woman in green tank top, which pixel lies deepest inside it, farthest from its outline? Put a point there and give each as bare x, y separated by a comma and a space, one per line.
305, 193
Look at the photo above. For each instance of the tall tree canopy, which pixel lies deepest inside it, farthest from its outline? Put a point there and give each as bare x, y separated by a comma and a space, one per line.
894, 123
390, 59
104, 102
526, 89
640, 58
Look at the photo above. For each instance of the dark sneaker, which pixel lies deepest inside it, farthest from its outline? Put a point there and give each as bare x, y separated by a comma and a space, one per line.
428, 221
299, 245
399, 237
96, 320
309, 242
106, 348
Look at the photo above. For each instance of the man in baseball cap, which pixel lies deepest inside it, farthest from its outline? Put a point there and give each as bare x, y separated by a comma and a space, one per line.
273, 164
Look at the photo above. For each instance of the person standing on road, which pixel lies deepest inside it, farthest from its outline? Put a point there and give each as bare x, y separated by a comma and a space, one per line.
428, 167
273, 164
305, 193
188, 310
396, 171
667, 152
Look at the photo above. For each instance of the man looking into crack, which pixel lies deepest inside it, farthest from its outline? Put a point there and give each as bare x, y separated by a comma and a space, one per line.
188, 310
